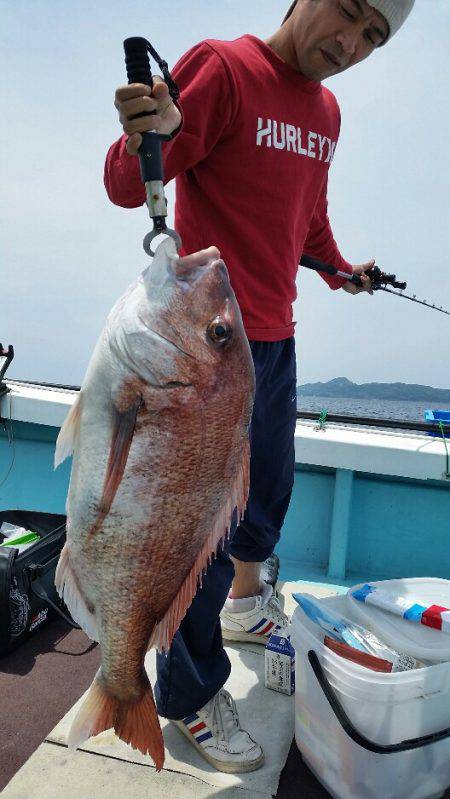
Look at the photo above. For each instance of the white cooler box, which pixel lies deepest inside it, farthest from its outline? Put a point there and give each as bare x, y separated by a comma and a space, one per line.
364, 734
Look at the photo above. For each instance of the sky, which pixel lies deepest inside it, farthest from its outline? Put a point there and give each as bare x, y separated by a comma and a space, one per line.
67, 253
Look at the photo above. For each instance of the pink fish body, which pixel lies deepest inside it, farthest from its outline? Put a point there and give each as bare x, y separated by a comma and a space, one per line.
159, 435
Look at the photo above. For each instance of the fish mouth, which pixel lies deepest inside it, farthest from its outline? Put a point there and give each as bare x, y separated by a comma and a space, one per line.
193, 273
219, 264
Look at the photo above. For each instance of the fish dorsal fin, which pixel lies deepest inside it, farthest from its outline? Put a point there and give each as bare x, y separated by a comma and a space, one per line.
123, 424
165, 630
67, 438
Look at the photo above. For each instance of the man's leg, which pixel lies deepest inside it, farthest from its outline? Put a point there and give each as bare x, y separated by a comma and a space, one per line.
252, 612
247, 578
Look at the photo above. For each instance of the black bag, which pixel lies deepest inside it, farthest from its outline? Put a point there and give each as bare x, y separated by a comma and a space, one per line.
28, 595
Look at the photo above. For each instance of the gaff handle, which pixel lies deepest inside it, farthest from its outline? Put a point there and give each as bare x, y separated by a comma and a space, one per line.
138, 71
137, 63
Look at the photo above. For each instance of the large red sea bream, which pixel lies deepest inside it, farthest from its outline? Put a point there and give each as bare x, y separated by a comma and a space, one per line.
159, 435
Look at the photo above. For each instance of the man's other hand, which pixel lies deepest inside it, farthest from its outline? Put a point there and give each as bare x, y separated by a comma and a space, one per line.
360, 270
136, 98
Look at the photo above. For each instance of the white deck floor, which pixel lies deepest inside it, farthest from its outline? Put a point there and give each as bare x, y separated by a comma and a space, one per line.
106, 768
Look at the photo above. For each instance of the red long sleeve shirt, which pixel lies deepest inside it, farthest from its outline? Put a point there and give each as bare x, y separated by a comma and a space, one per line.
251, 166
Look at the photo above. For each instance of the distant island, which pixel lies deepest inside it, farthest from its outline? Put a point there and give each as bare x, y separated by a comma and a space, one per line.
343, 387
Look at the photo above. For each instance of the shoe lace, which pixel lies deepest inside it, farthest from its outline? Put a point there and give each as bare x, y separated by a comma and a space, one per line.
224, 716
276, 614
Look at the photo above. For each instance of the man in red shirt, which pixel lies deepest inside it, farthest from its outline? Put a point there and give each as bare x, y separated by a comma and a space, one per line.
252, 141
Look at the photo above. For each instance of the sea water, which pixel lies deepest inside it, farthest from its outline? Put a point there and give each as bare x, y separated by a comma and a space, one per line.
410, 411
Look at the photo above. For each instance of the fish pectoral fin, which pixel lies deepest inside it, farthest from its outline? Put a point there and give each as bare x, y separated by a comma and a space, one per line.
136, 723
67, 438
166, 628
69, 590
123, 424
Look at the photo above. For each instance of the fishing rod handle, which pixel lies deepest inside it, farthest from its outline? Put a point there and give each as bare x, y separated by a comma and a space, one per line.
318, 266
137, 63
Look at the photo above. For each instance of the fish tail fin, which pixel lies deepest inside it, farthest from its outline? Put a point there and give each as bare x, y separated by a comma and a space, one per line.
97, 713
138, 725
135, 722
67, 438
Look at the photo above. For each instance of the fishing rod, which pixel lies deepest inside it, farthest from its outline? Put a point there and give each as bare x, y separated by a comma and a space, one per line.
137, 63
379, 280
7, 354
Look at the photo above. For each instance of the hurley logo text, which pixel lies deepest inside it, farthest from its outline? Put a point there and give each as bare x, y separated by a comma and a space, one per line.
283, 136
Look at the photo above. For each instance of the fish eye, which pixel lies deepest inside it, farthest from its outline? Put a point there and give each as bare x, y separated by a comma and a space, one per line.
219, 331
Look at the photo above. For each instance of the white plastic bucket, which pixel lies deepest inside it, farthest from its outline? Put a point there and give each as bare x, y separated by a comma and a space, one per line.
379, 710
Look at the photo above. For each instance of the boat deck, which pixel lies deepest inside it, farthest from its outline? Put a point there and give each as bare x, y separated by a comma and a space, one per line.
44, 678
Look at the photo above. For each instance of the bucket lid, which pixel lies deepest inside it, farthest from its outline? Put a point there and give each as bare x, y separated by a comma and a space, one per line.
414, 638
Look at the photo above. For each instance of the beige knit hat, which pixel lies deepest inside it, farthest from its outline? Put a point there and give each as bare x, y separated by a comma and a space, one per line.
394, 11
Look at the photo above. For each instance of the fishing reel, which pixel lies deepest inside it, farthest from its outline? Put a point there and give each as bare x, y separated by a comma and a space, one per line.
381, 279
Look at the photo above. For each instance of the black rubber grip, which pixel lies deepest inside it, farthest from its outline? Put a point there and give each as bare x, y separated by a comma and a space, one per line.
318, 266
137, 61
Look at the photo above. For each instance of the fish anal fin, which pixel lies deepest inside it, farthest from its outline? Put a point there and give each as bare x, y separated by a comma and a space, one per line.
166, 628
69, 590
67, 438
123, 424
135, 722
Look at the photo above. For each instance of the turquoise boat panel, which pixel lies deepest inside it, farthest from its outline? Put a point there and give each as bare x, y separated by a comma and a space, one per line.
399, 528
32, 483
305, 538
342, 526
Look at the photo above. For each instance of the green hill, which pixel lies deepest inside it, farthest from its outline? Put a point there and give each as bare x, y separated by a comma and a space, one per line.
342, 387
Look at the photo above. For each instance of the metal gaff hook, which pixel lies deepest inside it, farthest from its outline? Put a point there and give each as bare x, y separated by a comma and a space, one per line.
154, 233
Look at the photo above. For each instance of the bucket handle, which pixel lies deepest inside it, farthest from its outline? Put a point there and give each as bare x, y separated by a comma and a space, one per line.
352, 732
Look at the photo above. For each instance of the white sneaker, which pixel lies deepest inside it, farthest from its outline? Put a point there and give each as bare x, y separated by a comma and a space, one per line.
256, 625
216, 733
